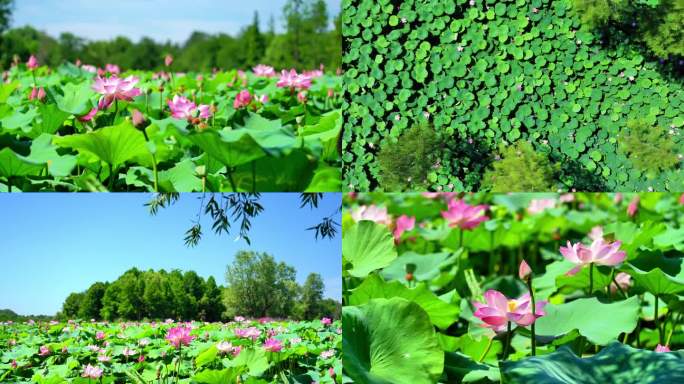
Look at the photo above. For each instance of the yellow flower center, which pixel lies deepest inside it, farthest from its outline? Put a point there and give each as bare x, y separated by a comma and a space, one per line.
512, 305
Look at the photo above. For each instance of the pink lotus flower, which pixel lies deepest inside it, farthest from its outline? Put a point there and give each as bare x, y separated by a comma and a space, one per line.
326, 321
464, 216
540, 205
328, 354
129, 352
224, 347
239, 319
99, 335
599, 252
37, 94
168, 60
137, 118
236, 350
179, 336
681, 199
32, 63
403, 223
89, 116
624, 281
499, 310
44, 350
243, 99
273, 345
617, 198
91, 372
315, 73
372, 213
89, 68
596, 233
567, 198
662, 348
103, 358
446, 196
524, 271
263, 99
293, 80
184, 109
633, 206
249, 333
14, 364
113, 88
141, 358
301, 97
264, 71
113, 69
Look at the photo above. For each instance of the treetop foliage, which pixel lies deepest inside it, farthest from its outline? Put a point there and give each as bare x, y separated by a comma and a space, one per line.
307, 42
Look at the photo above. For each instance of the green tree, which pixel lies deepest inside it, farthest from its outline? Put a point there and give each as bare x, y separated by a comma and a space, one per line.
5, 17
520, 169
71, 46
649, 147
72, 304
210, 307
157, 298
311, 300
253, 43
110, 303
91, 304
259, 286
405, 162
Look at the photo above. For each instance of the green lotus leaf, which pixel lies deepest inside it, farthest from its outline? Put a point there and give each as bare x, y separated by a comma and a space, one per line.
390, 341
367, 246
616, 363
427, 266
590, 317
13, 165
441, 314
114, 145
658, 274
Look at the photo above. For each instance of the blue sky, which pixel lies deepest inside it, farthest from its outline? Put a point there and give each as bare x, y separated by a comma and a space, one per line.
160, 19
54, 244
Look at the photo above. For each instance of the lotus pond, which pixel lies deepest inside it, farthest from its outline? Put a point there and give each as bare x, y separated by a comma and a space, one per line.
79, 128
488, 74
513, 288
243, 351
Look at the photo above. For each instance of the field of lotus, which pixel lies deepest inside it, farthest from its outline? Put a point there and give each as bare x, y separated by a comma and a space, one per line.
242, 351
80, 128
513, 288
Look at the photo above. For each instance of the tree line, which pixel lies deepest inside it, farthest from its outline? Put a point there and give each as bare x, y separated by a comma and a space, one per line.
257, 286
310, 38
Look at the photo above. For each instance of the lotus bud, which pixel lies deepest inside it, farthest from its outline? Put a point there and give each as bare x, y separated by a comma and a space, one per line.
524, 271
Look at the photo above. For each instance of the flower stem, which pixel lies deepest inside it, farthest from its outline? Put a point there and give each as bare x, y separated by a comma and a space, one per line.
180, 347
534, 314
460, 238
111, 178
591, 278
619, 288
508, 341
116, 110
655, 318
486, 351
229, 172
